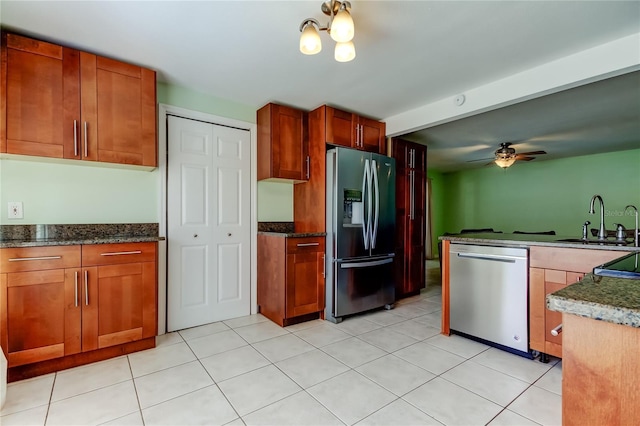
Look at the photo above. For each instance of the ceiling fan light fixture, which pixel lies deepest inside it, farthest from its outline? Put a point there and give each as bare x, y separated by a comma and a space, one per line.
505, 156
505, 162
310, 42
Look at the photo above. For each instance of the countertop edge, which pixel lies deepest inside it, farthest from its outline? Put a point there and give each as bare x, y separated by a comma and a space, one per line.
559, 302
293, 234
527, 240
73, 242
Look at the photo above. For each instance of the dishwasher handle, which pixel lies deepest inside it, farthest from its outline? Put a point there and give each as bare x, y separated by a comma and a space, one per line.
490, 257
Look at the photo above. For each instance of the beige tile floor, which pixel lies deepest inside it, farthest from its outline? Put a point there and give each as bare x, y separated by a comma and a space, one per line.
380, 368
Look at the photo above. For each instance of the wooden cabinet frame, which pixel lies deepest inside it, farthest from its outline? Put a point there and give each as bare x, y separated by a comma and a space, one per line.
290, 278
59, 102
91, 302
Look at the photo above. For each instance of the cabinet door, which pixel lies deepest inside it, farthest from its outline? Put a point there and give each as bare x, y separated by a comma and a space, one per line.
340, 127
283, 147
417, 220
305, 284
118, 112
120, 306
43, 314
411, 216
372, 135
40, 89
537, 308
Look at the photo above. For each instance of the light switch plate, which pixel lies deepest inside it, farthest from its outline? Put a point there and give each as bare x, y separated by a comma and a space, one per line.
15, 210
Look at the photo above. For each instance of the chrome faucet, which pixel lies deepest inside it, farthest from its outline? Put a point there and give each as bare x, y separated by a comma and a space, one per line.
602, 233
635, 232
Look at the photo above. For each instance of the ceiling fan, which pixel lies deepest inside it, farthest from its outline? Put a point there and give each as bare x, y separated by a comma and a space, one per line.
505, 156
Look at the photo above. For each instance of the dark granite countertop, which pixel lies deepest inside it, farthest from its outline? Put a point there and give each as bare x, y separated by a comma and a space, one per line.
614, 300
527, 240
285, 229
69, 234
294, 234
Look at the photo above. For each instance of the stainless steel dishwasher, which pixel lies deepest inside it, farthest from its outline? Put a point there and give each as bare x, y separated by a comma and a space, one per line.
489, 295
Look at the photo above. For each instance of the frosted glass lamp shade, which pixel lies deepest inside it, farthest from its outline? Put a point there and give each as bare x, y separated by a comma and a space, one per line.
310, 42
345, 52
342, 29
505, 162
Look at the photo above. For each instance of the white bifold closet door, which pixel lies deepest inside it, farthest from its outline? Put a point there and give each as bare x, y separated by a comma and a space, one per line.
208, 229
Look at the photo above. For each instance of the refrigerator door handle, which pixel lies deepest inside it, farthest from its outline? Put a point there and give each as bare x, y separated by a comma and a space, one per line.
366, 264
365, 196
374, 228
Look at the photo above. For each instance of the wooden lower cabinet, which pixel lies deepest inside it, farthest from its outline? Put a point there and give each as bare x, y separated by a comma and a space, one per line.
290, 278
551, 269
63, 301
600, 372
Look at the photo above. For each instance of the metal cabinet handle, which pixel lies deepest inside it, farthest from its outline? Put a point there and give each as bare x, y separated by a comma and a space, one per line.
556, 331
412, 200
324, 266
307, 244
76, 288
24, 259
308, 166
119, 253
362, 135
86, 148
75, 138
357, 135
86, 287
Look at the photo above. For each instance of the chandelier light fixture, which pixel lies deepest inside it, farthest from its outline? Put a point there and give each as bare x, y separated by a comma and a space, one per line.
505, 156
340, 28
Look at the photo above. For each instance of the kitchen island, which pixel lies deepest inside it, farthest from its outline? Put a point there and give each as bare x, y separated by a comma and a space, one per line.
601, 350
553, 264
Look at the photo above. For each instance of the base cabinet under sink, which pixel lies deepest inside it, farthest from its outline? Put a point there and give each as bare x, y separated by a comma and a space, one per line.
551, 269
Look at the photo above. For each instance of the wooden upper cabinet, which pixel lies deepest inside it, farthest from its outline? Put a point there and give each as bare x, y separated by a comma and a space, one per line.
62, 103
40, 97
372, 135
354, 131
283, 146
118, 111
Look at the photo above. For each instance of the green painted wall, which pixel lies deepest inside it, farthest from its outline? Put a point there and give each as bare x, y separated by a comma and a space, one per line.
437, 202
548, 195
190, 99
73, 192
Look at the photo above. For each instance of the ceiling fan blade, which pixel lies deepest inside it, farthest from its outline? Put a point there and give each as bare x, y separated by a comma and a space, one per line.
521, 157
480, 159
532, 153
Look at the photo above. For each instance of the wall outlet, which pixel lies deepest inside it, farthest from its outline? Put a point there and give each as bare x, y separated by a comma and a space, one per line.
15, 210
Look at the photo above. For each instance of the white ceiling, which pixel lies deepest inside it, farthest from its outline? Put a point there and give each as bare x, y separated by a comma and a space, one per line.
409, 54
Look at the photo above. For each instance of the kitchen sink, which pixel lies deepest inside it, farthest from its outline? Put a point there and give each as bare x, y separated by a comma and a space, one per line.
605, 242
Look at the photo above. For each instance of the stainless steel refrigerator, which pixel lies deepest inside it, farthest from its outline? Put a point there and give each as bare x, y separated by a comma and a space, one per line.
361, 222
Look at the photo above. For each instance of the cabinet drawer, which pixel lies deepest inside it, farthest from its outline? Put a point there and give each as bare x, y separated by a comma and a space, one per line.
305, 245
109, 254
24, 259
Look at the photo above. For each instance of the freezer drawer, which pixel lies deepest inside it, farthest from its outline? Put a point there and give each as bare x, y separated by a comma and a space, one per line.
361, 285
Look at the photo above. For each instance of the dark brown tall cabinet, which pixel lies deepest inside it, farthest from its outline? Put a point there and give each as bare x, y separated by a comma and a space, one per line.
411, 171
